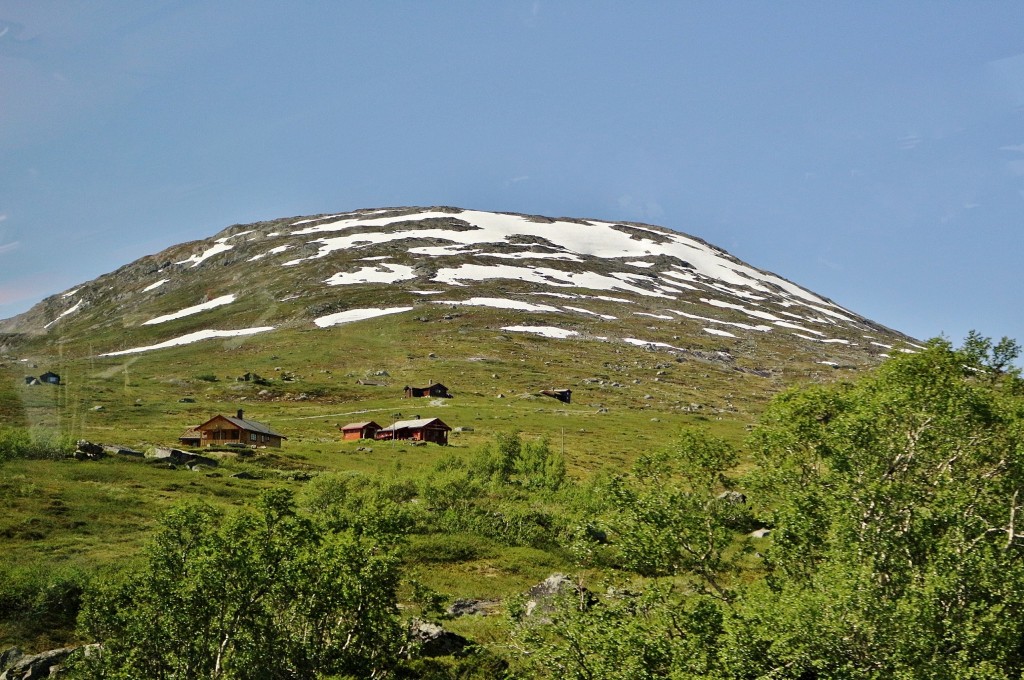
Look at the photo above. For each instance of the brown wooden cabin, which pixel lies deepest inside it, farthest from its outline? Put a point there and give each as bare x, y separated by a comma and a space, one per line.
561, 395
360, 430
431, 390
223, 430
191, 437
422, 430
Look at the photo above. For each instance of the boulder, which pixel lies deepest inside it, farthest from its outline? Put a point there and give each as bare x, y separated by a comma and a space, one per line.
732, 497
433, 640
179, 457
122, 451
85, 450
244, 475
42, 665
468, 607
541, 597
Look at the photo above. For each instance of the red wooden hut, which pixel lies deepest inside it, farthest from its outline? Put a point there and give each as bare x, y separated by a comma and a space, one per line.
366, 430
423, 430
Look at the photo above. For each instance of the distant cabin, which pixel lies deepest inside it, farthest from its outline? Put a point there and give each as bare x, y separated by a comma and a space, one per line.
191, 437
50, 378
422, 430
561, 395
223, 430
431, 390
367, 430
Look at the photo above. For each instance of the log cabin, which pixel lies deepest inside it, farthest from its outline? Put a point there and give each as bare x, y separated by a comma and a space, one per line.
223, 430
422, 430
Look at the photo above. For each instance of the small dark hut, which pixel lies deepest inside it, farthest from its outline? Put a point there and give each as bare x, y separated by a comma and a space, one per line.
561, 395
50, 378
431, 390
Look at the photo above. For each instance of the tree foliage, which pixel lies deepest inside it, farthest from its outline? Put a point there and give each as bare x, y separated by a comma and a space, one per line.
263, 594
896, 551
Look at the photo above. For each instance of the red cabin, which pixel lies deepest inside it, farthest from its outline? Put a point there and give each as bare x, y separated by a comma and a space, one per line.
366, 430
422, 430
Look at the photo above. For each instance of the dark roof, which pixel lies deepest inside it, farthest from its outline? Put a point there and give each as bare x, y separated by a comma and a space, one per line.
248, 425
413, 424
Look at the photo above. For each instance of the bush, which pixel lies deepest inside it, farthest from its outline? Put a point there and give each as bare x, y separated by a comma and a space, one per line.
20, 442
36, 601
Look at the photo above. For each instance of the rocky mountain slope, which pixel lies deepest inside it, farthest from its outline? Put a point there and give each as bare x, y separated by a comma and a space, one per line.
569, 280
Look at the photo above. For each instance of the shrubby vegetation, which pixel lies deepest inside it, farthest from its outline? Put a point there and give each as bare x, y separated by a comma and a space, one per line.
894, 505
22, 442
896, 549
265, 594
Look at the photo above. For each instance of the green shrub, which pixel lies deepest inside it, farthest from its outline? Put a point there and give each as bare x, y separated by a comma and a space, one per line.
20, 442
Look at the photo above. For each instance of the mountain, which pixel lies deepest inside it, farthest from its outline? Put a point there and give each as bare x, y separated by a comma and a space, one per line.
633, 318
584, 279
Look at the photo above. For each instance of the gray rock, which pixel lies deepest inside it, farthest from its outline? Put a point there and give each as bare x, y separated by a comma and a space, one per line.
42, 665
541, 597
433, 640
732, 497
469, 607
244, 475
122, 451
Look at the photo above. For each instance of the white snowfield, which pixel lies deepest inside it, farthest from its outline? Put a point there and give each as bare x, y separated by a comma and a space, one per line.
546, 331
584, 237
351, 315
220, 246
382, 273
60, 316
190, 338
500, 303
715, 331
607, 317
188, 311
155, 285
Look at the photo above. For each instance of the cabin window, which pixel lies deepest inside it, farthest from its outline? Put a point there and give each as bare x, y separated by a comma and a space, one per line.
252, 436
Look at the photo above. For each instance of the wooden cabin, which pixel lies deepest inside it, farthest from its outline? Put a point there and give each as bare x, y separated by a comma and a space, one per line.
225, 430
191, 437
561, 395
422, 430
360, 430
431, 390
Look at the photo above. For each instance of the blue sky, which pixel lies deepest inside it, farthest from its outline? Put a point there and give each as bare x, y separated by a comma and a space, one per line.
870, 151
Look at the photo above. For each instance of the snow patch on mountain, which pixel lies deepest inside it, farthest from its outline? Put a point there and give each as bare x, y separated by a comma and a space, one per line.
546, 331
195, 309
500, 303
190, 338
382, 273
350, 315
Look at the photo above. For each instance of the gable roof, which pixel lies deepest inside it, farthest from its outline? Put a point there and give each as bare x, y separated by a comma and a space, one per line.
360, 426
245, 424
413, 424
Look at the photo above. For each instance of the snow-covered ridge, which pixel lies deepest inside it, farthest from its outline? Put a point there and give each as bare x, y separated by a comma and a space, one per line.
585, 237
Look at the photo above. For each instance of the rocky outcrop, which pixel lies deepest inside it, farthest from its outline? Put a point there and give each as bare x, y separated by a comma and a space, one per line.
179, 457
430, 639
19, 666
